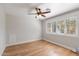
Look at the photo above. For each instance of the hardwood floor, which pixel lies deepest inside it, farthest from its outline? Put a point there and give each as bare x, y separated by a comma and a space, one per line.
37, 48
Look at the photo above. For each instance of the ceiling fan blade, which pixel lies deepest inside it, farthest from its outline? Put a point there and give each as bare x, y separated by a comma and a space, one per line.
45, 12
37, 10
43, 15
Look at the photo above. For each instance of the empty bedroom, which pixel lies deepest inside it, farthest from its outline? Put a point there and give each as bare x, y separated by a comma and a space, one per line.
39, 29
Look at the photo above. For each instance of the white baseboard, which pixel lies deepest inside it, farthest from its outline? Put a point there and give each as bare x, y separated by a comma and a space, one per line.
61, 45
2, 51
23, 42
73, 49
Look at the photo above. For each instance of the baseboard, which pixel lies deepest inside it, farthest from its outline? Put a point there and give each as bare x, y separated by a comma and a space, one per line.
23, 42
61, 45
2, 51
45, 40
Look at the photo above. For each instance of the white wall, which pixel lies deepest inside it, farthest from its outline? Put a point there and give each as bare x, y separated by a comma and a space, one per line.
66, 41
21, 27
2, 31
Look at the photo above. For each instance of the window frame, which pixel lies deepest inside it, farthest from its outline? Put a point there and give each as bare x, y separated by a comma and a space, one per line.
65, 30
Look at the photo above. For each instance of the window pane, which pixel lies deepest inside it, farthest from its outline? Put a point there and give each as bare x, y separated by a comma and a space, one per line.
49, 27
54, 27
71, 26
60, 26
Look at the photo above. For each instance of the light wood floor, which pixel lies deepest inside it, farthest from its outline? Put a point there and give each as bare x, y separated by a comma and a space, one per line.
37, 48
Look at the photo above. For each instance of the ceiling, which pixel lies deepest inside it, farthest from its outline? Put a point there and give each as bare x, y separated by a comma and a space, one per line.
22, 5
56, 8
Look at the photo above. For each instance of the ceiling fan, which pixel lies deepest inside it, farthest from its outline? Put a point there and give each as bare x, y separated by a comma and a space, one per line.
40, 12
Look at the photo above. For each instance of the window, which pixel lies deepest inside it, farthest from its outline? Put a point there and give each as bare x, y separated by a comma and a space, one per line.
71, 26
53, 26
49, 29
67, 26
61, 26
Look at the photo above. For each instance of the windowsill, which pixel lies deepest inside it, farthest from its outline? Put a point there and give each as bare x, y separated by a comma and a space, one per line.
68, 35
